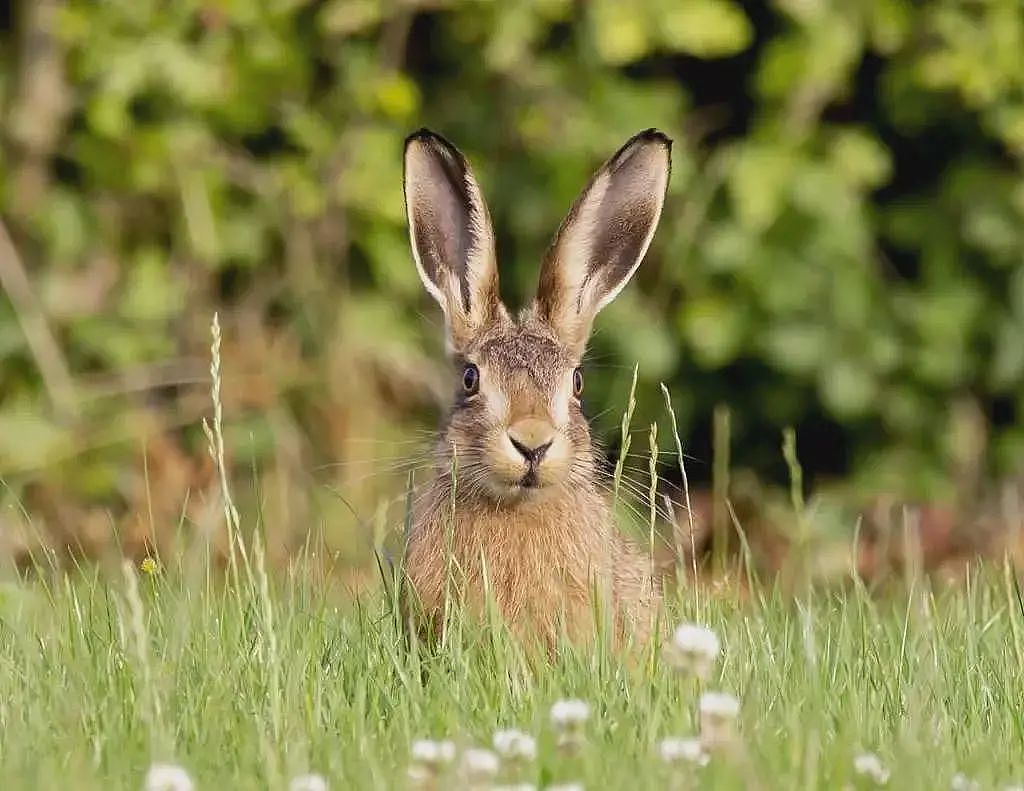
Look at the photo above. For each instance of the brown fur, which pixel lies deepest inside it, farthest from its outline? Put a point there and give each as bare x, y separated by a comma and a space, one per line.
551, 562
534, 535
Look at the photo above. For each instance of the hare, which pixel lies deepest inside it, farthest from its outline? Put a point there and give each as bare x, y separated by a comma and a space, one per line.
516, 512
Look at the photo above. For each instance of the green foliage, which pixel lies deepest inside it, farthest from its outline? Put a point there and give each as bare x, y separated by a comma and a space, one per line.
843, 241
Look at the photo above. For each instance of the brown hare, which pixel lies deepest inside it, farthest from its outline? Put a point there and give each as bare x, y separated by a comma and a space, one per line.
516, 510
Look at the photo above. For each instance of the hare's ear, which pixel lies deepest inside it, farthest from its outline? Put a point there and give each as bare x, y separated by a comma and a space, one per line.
603, 239
451, 236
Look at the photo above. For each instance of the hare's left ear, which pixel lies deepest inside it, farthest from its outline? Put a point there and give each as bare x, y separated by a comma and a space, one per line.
604, 237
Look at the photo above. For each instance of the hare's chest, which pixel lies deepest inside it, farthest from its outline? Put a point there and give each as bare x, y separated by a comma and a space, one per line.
533, 574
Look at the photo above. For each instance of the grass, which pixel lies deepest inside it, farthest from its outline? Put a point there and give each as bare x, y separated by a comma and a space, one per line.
248, 677
101, 676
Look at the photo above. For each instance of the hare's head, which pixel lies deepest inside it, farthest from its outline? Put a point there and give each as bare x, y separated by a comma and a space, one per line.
517, 427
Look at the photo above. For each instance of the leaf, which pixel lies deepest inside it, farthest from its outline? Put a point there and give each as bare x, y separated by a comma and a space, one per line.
387, 248
620, 31
1007, 365
860, 158
798, 348
397, 96
345, 17
648, 344
890, 24
705, 28
847, 388
714, 329
758, 183
29, 441
150, 292
372, 180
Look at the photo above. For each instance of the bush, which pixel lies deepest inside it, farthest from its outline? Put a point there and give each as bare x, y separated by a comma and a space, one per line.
842, 250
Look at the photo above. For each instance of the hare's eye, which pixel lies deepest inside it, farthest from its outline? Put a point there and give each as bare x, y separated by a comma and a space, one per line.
470, 379
577, 382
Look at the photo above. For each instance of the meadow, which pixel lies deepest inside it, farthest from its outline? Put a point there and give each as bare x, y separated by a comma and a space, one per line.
253, 682
249, 677
840, 253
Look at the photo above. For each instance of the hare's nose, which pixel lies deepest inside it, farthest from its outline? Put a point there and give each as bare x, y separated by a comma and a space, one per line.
531, 438
532, 455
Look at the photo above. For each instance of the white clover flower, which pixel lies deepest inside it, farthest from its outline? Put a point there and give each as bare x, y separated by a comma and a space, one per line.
569, 718
683, 751
420, 776
513, 745
167, 777
480, 764
718, 712
432, 754
693, 649
870, 765
569, 714
1017, 787
719, 706
962, 782
565, 787
310, 782
515, 787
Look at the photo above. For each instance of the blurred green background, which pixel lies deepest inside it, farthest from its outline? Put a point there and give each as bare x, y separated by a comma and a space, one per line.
842, 250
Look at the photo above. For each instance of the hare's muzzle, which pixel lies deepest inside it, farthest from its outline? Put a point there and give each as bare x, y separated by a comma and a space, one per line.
531, 438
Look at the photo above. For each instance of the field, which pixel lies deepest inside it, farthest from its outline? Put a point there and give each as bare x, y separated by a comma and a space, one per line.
248, 676
817, 373
249, 683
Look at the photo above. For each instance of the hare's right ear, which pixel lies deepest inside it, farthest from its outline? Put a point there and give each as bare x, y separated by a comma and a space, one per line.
451, 236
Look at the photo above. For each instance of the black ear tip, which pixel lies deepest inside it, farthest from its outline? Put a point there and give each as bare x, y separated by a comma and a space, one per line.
653, 135
641, 141
422, 135
438, 144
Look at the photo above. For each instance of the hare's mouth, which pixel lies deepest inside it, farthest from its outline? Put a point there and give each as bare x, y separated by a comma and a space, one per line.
526, 485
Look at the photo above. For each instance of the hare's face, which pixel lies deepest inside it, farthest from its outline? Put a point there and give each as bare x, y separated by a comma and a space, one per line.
517, 427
